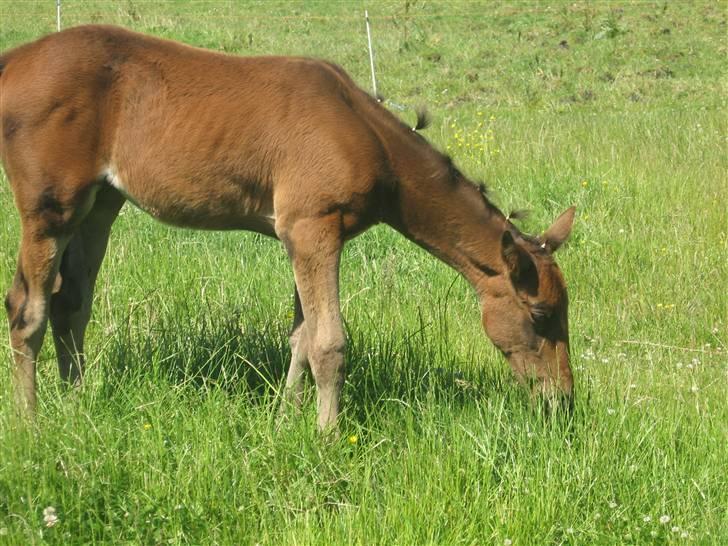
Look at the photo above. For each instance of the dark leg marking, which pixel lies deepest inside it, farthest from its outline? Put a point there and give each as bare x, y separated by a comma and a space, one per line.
17, 314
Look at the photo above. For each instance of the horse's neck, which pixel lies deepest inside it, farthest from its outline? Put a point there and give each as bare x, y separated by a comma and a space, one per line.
449, 217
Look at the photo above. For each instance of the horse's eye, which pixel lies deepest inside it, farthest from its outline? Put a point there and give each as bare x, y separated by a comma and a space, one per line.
540, 312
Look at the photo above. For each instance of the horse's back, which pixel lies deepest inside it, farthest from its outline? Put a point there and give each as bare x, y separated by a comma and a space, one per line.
196, 138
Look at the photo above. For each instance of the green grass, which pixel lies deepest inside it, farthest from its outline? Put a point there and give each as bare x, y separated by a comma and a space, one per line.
174, 438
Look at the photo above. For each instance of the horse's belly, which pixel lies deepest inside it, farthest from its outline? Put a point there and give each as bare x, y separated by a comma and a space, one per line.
207, 203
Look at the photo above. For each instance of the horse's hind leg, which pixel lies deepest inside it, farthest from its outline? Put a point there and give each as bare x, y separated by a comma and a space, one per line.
293, 393
27, 307
70, 306
50, 212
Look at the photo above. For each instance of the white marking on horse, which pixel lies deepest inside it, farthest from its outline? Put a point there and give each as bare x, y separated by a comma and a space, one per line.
112, 177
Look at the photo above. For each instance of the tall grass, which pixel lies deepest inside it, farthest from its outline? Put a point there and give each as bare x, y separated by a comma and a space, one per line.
175, 437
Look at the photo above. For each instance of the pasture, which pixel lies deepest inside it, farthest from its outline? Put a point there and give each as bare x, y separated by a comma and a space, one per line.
617, 108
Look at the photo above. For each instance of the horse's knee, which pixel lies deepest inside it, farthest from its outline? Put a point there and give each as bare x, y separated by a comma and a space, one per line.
326, 355
327, 347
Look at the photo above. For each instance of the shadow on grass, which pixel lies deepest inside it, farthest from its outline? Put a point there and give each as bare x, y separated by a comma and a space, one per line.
246, 355
201, 349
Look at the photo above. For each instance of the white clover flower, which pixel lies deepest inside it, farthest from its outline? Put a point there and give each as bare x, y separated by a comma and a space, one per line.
653, 533
507, 542
664, 519
612, 505
675, 529
647, 519
570, 530
611, 411
50, 518
694, 389
684, 534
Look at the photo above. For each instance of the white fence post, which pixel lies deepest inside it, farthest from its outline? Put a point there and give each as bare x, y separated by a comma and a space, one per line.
371, 53
58, 15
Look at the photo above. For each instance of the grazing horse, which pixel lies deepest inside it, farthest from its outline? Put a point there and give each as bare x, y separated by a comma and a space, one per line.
285, 146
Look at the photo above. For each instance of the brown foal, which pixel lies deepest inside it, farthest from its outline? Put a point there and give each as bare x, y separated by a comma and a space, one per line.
285, 146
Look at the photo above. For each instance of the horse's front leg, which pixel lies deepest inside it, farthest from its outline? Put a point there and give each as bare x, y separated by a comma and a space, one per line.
314, 246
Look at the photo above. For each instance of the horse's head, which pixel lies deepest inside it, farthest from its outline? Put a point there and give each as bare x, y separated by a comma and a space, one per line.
525, 310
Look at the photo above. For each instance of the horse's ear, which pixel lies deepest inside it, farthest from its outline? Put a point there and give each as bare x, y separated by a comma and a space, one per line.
560, 230
520, 265
509, 251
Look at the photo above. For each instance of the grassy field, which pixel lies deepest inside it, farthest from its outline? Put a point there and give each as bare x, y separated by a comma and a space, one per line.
618, 108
